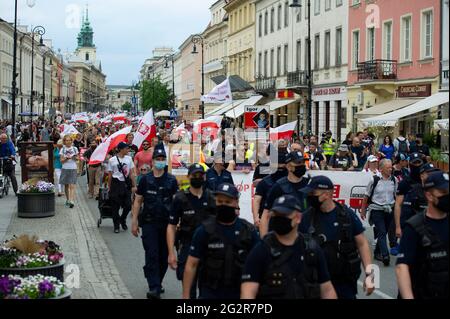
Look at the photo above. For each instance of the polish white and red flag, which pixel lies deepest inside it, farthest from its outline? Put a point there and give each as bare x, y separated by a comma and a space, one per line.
120, 117
207, 127
283, 132
81, 117
146, 129
111, 143
68, 129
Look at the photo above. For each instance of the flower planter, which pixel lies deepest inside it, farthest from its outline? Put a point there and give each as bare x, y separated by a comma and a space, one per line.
56, 271
441, 165
66, 295
36, 205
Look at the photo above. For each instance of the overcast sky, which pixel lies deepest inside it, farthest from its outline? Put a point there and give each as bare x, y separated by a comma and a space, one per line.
125, 31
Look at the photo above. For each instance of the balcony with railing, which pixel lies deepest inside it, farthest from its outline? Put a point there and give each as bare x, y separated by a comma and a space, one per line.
297, 79
266, 84
377, 70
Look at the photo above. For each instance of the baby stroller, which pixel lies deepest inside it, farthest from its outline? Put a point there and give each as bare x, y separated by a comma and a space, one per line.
104, 205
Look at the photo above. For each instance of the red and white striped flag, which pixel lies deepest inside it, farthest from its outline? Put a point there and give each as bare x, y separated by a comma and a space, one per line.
283, 132
209, 126
146, 129
111, 143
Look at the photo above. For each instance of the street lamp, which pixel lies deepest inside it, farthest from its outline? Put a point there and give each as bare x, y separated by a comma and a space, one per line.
198, 39
31, 4
296, 4
40, 30
167, 58
43, 79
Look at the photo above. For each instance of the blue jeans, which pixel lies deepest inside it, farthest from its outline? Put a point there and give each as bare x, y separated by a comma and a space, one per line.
156, 254
382, 222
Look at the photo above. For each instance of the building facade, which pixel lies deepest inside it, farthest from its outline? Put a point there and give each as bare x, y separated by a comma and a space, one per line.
394, 54
118, 95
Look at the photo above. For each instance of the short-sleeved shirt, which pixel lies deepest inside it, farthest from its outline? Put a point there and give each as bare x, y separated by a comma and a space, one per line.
404, 187
384, 193
213, 180
143, 184
317, 158
277, 192
113, 167
69, 152
360, 156
143, 158
423, 149
344, 162
258, 261
262, 170
178, 209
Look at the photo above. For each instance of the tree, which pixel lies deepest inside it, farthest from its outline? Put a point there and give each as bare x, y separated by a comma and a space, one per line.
155, 94
126, 106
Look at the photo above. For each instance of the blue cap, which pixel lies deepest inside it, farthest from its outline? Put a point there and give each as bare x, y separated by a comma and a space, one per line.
438, 180
159, 153
428, 168
196, 168
415, 158
318, 182
286, 205
296, 157
227, 190
122, 145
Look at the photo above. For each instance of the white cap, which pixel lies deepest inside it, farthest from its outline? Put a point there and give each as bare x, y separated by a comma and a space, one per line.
372, 159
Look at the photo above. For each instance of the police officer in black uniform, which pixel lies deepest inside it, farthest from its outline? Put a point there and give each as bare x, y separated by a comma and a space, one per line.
218, 173
422, 264
155, 191
290, 185
219, 249
340, 233
410, 199
287, 264
266, 184
189, 209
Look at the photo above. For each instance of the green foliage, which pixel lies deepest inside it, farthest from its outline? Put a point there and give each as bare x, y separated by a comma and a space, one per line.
438, 156
155, 94
430, 140
127, 106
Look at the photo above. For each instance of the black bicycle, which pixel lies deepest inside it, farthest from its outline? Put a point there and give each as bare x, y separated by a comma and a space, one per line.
5, 181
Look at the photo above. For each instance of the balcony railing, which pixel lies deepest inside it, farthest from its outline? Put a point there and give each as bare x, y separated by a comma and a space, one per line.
377, 70
297, 78
265, 84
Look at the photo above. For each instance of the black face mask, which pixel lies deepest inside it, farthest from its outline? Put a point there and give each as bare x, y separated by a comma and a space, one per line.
197, 182
314, 202
281, 225
226, 214
300, 171
442, 204
415, 172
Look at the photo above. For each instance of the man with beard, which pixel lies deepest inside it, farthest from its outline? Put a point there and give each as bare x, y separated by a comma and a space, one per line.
143, 157
189, 209
422, 265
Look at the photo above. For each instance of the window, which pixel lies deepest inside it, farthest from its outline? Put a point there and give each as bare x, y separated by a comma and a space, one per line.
342, 111
299, 12
370, 44
406, 39
338, 45
316, 52
355, 50
265, 64
259, 63
286, 14
427, 34
355, 2
387, 54
87, 56
272, 20
279, 17
327, 49
266, 22
299, 55
327, 5
260, 25
286, 58
245, 16
338, 3
317, 7
278, 61
272, 58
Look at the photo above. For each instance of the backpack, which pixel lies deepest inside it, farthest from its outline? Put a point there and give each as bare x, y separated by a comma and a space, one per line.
403, 146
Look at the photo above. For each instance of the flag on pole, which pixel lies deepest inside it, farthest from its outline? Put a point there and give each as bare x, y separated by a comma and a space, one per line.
283, 132
111, 142
68, 129
220, 94
146, 130
209, 126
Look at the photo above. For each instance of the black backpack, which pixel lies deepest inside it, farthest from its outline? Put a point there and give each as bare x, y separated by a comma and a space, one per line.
403, 146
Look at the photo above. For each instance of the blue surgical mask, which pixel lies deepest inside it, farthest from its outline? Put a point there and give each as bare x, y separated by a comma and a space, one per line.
160, 165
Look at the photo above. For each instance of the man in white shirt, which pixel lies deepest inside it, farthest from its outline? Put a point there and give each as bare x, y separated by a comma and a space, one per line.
121, 184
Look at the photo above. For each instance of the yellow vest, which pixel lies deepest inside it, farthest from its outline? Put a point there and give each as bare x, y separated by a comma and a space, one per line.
328, 148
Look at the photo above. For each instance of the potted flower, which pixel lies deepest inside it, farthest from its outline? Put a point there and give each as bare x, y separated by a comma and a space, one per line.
36, 199
32, 287
27, 256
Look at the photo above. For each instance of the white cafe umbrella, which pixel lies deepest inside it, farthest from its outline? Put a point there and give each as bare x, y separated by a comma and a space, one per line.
163, 114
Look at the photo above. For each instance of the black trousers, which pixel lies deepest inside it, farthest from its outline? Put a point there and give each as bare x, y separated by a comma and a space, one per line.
12, 176
120, 197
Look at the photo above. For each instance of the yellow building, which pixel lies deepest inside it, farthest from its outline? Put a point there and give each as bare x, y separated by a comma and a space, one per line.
241, 38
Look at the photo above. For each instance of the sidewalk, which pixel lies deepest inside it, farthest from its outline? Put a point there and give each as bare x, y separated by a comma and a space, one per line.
75, 230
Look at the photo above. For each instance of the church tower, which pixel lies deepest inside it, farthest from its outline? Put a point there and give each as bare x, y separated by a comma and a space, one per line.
86, 49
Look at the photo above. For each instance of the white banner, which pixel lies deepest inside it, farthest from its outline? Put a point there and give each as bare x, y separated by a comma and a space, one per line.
220, 94
244, 184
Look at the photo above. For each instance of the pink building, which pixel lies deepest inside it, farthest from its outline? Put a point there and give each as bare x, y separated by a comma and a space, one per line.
393, 54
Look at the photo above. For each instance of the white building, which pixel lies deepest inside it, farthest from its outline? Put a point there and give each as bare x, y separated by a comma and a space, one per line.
118, 95
281, 62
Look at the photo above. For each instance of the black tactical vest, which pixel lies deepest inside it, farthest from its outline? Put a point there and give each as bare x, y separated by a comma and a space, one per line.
280, 281
433, 274
288, 189
344, 262
224, 259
